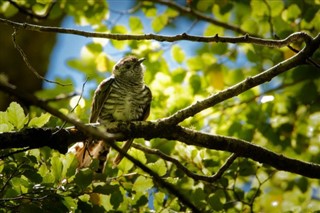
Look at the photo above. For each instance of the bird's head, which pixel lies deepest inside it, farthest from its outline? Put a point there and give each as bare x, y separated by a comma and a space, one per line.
129, 69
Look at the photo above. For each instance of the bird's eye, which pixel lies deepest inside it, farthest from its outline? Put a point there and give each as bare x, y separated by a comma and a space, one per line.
116, 67
128, 66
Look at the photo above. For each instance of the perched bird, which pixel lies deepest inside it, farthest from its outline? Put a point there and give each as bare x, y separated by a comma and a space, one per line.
122, 97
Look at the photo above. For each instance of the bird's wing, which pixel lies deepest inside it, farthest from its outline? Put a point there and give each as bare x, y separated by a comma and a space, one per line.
90, 149
146, 111
100, 96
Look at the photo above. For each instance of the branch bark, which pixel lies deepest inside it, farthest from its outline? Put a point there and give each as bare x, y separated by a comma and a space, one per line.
149, 130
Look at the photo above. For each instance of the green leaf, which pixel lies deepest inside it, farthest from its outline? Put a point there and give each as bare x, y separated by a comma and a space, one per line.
219, 48
116, 198
204, 5
70, 164
215, 201
16, 115
303, 184
56, 167
159, 167
171, 13
212, 30
159, 23
150, 12
158, 200
135, 24
142, 184
6, 127
84, 178
291, 13
125, 165
69, 202
178, 75
195, 82
94, 48
195, 63
7, 9
33, 176
39, 121
177, 54
139, 155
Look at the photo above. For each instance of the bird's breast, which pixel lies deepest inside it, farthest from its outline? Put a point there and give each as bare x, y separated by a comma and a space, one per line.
125, 104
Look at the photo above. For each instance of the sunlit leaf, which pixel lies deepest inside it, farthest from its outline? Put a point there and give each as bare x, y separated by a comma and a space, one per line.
135, 24
16, 115
142, 184
178, 54
159, 167
159, 23
39, 121
292, 12
56, 167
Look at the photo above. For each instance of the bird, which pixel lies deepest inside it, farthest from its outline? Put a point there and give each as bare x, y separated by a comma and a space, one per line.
122, 97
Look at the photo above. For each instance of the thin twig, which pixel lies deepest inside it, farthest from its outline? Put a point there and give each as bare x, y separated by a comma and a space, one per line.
77, 104
184, 36
25, 59
61, 97
126, 12
309, 60
14, 152
269, 17
179, 165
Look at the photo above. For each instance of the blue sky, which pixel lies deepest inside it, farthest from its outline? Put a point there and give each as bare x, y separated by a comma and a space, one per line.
69, 46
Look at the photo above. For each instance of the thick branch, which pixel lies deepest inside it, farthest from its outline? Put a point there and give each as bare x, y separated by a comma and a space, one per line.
149, 130
246, 84
223, 39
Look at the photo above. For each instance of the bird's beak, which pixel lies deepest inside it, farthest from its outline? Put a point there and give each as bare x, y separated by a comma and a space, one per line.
141, 60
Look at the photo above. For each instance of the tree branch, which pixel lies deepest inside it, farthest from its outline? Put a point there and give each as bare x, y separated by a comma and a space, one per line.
242, 148
298, 59
223, 39
25, 59
180, 166
149, 130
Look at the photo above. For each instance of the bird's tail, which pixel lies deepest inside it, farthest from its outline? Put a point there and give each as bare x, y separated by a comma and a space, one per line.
124, 148
89, 150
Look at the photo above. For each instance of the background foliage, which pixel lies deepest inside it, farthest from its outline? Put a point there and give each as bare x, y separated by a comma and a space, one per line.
282, 115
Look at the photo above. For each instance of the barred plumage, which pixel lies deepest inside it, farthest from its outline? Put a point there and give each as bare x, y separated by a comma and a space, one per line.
122, 97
